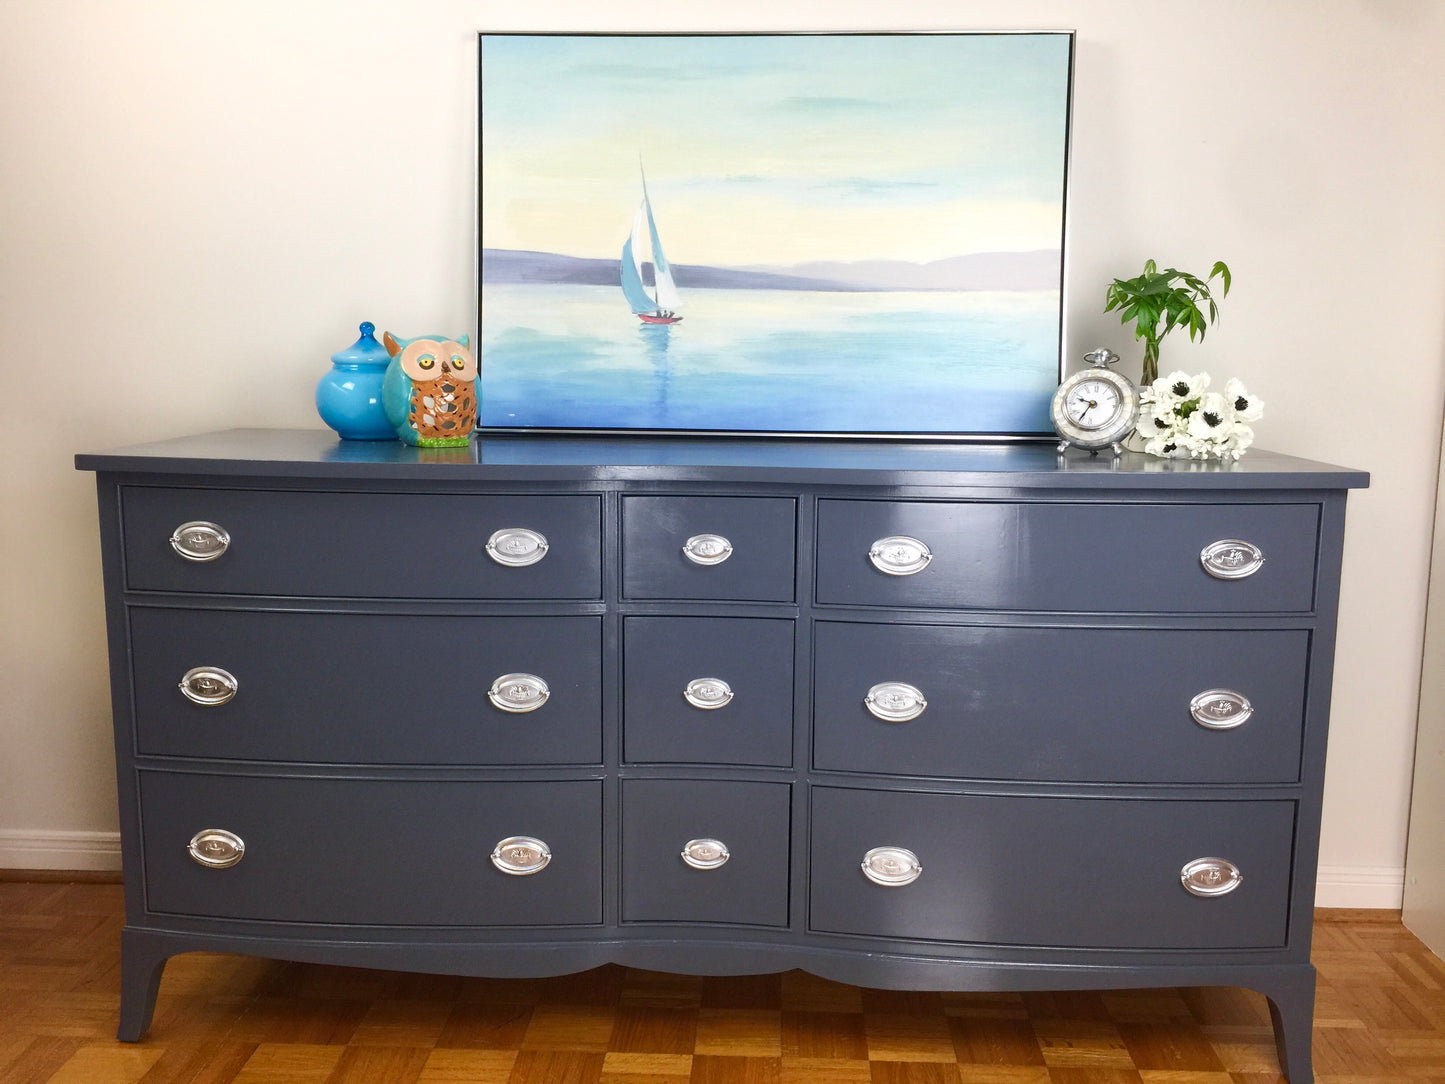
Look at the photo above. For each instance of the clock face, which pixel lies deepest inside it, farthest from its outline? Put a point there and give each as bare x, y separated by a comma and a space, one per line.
1093, 404
1095, 408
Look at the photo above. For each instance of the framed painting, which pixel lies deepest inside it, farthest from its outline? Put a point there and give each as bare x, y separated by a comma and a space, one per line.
819, 234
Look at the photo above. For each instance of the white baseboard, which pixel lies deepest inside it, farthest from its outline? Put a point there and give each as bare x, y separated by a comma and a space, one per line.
59, 850
1336, 886
1360, 886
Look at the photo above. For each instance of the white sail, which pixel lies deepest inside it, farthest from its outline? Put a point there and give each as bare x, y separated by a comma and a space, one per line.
640, 244
667, 296
666, 290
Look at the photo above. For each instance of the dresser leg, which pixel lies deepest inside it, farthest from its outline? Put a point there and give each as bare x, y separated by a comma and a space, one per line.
141, 964
1292, 1008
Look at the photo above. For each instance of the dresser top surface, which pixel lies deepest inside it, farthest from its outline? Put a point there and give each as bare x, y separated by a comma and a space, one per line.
320, 454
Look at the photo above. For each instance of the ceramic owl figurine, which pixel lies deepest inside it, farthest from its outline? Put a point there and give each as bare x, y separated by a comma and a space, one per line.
430, 390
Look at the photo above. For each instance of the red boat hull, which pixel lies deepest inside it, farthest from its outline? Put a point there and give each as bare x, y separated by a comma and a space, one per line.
658, 319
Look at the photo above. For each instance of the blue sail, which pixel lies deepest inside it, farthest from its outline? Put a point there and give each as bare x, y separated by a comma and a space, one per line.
632, 282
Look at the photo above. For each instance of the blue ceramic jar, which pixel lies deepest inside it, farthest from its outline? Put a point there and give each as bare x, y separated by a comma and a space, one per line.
348, 398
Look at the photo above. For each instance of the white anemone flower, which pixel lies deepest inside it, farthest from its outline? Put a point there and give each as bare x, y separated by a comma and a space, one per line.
1178, 387
1169, 446
1247, 408
1155, 421
1241, 439
1215, 427
1213, 419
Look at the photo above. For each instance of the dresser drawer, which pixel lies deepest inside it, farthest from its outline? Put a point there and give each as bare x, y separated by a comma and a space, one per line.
1068, 872
382, 852
709, 547
708, 690
351, 688
1082, 557
1081, 704
666, 880
385, 545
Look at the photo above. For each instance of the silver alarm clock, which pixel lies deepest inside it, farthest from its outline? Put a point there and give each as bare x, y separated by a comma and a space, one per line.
1096, 407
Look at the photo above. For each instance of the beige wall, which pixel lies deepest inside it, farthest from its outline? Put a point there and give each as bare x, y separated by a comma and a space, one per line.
199, 202
1424, 909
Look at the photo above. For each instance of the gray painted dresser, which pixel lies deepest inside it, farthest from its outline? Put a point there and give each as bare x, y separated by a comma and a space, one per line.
903, 715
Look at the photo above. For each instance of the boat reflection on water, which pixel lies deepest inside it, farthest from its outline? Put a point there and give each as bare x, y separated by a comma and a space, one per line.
655, 340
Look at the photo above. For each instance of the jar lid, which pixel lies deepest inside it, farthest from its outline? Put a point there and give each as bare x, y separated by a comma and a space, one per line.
365, 350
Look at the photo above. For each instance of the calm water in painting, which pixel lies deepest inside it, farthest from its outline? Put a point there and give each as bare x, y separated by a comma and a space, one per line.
573, 356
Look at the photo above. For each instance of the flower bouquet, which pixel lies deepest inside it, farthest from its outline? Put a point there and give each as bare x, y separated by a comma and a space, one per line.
1180, 418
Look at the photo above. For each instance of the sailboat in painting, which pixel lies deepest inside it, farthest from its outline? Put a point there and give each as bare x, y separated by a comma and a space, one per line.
661, 306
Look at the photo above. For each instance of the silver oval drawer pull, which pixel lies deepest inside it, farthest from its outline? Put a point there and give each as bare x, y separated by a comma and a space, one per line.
216, 848
707, 549
1231, 559
708, 693
1221, 709
521, 855
200, 541
208, 685
705, 853
516, 547
900, 555
895, 702
1211, 876
518, 692
891, 867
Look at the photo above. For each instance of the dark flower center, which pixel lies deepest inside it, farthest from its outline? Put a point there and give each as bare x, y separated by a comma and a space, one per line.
1211, 419
1241, 403
1160, 423
1180, 388
1170, 446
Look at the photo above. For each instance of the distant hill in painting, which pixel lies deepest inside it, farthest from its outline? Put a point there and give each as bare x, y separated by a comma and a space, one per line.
1038, 270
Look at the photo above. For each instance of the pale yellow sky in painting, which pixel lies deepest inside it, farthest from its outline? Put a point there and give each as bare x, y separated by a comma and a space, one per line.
774, 151
701, 227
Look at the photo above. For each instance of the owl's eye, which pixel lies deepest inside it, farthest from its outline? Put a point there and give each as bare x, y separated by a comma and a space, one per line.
458, 362
426, 361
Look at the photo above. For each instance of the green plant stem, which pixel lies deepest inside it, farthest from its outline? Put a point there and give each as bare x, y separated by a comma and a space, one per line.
1151, 362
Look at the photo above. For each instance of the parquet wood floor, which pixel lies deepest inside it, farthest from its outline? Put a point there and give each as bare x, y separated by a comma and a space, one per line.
1380, 1016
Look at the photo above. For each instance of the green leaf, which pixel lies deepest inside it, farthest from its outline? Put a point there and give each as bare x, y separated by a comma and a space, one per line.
1221, 270
1170, 295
